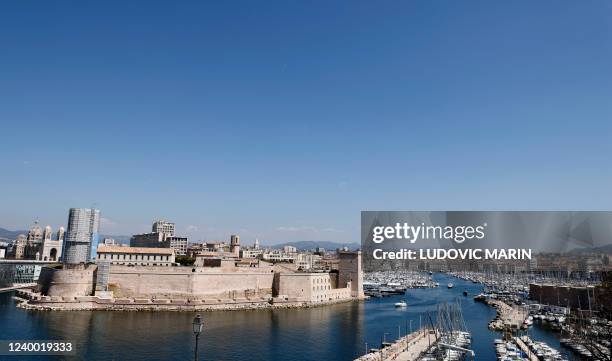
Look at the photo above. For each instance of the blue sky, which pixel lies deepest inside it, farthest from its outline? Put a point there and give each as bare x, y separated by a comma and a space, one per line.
283, 120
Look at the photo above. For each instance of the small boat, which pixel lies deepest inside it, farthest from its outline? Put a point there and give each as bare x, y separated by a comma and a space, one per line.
401, 304
451, 285
480, 298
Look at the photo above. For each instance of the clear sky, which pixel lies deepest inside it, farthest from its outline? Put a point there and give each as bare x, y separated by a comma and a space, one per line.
284, 119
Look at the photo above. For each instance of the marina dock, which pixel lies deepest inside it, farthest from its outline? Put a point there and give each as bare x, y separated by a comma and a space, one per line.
525, 349
407, 348
417, 346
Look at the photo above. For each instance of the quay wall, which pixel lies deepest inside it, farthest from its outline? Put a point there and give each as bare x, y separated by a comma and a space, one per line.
29, 299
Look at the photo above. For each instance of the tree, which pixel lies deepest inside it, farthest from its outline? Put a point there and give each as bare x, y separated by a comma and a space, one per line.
185, 260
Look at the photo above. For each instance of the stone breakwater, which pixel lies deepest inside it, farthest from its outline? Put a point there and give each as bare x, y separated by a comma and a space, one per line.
27, 299
508, 317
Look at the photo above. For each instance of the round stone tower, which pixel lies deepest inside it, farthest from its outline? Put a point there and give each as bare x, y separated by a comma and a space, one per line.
235, 244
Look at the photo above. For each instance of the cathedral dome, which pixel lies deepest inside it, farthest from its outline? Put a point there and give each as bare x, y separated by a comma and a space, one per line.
35, 232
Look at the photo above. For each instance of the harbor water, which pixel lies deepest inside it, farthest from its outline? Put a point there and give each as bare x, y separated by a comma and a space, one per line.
335, 332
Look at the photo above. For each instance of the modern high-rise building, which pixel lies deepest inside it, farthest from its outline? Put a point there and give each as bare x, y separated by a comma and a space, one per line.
81, 237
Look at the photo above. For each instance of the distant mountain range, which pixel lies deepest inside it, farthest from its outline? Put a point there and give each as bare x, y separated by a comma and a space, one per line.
607, 249
300, 245
10, 235
310, 245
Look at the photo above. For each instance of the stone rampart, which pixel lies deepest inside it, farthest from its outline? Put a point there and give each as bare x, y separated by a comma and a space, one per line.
71, 281
184, 282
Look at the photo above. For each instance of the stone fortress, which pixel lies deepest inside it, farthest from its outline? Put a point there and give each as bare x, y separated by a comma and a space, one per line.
136, 278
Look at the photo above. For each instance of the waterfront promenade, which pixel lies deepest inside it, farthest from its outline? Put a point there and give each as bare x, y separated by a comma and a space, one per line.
17, 287
407, 348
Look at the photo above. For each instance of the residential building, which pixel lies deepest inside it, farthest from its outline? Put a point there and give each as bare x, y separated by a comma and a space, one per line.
165, 227
277, 255
163, 236
154, 239
289, 249
178, 244
109, 242
307, 261
251, 253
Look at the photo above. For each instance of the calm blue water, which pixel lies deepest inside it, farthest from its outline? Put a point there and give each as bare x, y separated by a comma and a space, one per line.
336, 332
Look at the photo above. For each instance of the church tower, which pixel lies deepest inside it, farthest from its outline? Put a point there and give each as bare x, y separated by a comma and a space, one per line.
235, 244
60, 234
52, 248
47, 233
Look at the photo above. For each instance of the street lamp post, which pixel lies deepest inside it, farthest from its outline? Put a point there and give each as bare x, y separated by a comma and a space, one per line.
198, 326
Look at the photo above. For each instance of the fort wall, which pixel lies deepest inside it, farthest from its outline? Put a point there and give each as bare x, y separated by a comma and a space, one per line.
569, 296
180, 282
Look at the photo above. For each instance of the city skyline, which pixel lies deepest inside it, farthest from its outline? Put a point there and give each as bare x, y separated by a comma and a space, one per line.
26, 229
282, 121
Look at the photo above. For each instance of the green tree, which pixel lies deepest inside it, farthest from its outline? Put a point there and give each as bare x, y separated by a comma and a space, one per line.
185, 260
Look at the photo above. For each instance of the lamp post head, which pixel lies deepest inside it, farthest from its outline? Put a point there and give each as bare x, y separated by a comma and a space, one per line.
198, 324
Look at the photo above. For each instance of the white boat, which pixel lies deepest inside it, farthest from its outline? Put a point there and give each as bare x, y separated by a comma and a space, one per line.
451, 285
401, 304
